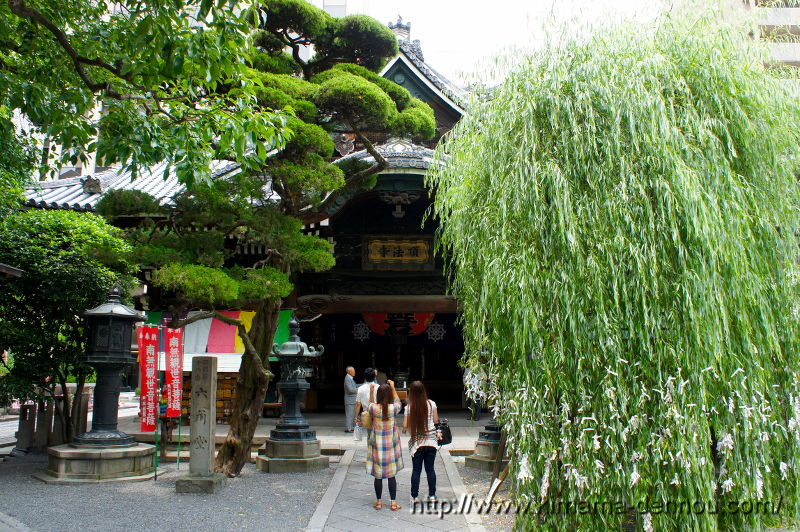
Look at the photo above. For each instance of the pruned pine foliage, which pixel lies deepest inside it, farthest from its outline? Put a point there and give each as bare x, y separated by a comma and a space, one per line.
631, 288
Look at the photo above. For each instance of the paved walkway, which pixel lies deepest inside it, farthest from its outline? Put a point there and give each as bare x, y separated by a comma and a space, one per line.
347, 505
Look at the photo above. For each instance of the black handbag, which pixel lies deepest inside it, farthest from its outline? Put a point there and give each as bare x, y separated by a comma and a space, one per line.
443, 434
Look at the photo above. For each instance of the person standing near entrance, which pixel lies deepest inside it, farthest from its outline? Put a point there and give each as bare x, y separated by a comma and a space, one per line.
365, 395
384, 455
421, 418
350, 391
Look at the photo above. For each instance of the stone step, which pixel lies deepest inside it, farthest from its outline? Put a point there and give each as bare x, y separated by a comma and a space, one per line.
482, 462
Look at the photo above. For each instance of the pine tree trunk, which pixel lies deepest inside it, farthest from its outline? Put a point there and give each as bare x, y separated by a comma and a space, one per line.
251, 387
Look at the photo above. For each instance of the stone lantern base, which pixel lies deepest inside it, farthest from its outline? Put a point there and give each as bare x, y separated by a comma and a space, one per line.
282, 456
485, 456
486, 448
67, 464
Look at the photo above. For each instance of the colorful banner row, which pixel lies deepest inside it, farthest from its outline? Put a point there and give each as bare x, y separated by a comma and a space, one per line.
213, 336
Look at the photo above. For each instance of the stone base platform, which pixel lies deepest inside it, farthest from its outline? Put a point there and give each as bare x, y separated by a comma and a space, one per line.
282, 456
67, 464
209, 484
291, 465
485, 456
482, 462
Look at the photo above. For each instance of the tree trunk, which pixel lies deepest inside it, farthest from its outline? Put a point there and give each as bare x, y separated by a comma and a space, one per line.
72, 407
251, 387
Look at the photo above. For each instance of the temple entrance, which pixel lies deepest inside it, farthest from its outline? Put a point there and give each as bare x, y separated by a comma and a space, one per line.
384, 304
404, 346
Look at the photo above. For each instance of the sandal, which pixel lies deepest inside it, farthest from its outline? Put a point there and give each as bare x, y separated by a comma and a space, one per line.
394, 507
378, 505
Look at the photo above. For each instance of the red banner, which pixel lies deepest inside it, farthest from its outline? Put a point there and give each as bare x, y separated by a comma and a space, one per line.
148, 377
173, 346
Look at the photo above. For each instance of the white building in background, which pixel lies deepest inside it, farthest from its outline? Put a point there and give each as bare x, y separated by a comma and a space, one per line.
779, 24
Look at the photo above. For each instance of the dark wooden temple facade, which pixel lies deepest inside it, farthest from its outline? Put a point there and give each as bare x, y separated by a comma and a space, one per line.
384, 304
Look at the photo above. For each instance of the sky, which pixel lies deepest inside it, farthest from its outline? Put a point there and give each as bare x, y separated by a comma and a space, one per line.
457, 35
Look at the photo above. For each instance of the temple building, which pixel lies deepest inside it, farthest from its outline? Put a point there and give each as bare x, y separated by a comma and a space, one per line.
384, 304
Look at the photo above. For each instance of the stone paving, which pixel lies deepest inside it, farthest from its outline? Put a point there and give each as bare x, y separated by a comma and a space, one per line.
7, 430
353, 510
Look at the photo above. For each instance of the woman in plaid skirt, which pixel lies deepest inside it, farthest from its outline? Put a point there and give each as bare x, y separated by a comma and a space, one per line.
384, 456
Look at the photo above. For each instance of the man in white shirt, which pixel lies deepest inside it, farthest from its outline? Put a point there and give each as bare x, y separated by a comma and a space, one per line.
363, 393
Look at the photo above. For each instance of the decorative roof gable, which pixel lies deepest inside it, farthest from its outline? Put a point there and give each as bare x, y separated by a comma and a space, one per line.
410, 71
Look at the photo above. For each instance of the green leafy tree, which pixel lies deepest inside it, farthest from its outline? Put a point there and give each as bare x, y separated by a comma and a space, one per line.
138, 81
192, 242
70, 261
632, 288
17, 161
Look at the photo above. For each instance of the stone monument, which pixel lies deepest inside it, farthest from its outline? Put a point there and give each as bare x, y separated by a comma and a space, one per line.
292, 446
202, 478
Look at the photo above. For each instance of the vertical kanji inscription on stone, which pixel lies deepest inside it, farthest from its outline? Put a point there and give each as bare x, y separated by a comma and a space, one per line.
204, 416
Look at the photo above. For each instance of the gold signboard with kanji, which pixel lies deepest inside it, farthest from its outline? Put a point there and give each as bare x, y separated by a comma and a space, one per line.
392, 253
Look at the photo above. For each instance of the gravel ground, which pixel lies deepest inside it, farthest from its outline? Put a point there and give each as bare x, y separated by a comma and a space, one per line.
477, 483
252, 501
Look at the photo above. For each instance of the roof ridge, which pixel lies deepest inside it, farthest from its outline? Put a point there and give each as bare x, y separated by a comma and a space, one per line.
413, 51
53, 183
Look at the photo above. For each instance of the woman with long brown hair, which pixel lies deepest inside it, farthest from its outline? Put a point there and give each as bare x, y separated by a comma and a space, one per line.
384, 456
420, 420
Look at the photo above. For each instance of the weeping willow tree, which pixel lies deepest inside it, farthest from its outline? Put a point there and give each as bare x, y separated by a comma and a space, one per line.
631, 290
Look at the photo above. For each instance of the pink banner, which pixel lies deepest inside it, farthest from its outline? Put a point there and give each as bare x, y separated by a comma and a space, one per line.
173, 346
222, 337
148, 377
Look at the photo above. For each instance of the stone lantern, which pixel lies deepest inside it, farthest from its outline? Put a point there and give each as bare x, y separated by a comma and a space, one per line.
292, 444
104, 454
111, 329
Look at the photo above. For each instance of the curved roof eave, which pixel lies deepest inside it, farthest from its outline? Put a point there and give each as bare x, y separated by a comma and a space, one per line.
399, 154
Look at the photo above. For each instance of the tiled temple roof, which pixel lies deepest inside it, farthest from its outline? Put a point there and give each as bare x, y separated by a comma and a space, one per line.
82, 193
